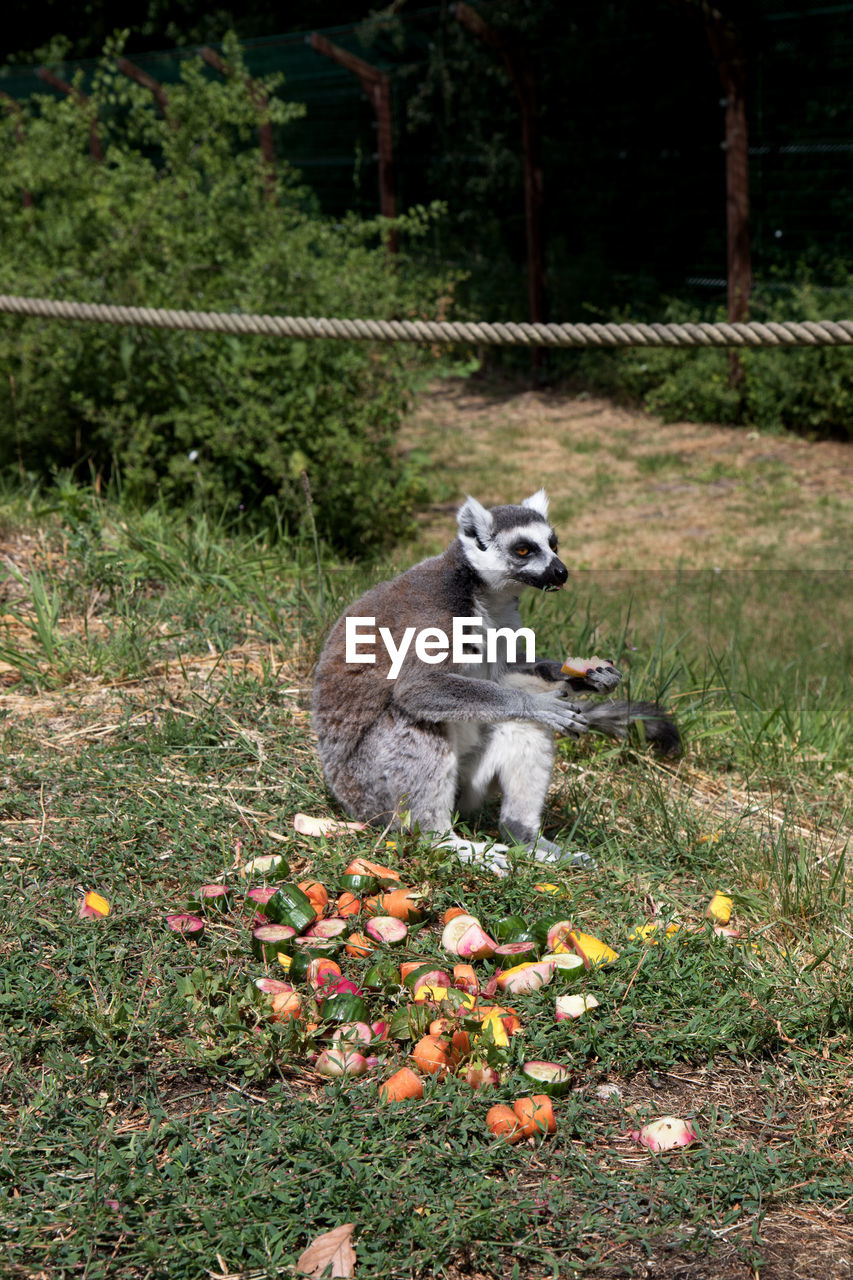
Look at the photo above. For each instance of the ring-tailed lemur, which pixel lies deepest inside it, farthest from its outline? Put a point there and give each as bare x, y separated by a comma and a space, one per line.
418, 738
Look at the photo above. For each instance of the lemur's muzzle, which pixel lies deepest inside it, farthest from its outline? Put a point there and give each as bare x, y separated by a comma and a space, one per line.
553, 577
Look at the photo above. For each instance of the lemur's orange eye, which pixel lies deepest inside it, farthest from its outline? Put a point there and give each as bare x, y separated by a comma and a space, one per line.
522, 551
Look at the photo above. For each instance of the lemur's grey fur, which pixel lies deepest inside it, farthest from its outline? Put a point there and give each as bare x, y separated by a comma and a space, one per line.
439, 738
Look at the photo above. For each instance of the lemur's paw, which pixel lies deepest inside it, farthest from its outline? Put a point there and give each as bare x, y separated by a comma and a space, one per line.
546, 851
596, 674
489, 856
559, 714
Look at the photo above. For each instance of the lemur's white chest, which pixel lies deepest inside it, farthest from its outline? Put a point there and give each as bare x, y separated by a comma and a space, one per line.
497, 614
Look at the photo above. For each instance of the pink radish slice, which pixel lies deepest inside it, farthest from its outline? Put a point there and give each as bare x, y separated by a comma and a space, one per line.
331, 928
323, 946
515, 948
340, 1062
334, 985
269, 940
191, 927
386, 929
273, 986
213, 895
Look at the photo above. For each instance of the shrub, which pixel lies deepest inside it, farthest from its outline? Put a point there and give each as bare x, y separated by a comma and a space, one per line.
804, 389
177, 215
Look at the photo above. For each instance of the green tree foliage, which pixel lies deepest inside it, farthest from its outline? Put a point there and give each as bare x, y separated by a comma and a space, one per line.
178, 214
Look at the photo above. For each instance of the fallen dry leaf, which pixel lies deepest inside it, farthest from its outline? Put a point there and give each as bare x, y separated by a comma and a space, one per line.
331, 1249
308, 826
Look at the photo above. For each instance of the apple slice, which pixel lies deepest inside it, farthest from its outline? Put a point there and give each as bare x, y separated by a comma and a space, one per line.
465, 937
574, 1006
525, 978
665, 1134
591, 950
307, 825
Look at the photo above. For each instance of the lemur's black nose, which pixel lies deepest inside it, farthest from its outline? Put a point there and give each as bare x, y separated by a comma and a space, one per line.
558, 572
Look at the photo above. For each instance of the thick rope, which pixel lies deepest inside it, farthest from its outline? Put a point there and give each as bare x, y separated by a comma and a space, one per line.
803, 333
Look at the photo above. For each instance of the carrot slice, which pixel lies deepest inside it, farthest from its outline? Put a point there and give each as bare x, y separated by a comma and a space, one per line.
535, 1115
316, 893
359, 945
465, 979
348, 904
403, 1084
504, 1123
432, 1055
451, 913
361, 867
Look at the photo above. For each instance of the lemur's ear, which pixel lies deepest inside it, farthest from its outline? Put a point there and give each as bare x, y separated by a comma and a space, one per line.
475, 521
538, 502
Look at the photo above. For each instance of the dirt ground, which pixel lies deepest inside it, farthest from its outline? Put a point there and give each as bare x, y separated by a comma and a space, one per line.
628, 491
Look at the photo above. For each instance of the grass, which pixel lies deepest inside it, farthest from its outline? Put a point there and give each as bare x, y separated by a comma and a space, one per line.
155, 1122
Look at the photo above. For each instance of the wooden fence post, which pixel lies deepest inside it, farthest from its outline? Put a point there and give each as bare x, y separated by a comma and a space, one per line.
377, 86
729, 53
133, 72
260, 101
14, 109
96, 151
524, 83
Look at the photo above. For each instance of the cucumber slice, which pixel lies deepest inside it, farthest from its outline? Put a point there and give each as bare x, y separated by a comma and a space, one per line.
289, 905
568, 967
344, 1008
360, 885
297, 970
509, 929
539, 930
269, 939
382, 975
269, 866
549, 1077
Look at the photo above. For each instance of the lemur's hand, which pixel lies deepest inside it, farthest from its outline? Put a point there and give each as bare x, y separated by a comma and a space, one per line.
553, 709
598, 675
